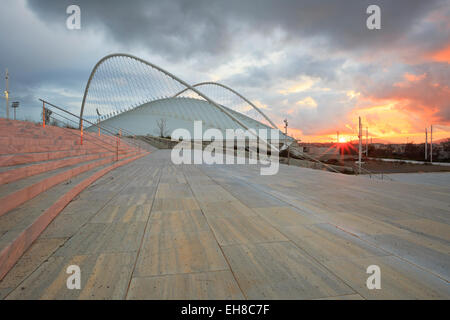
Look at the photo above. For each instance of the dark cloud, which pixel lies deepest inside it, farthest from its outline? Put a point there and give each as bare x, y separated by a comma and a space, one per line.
290, 67
180, 29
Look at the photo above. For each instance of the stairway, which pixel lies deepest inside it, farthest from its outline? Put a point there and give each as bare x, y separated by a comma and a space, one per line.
41, 171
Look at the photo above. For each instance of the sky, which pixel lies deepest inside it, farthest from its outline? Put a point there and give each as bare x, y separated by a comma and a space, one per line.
313, 62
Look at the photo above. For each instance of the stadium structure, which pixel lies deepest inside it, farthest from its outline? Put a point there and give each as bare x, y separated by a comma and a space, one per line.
138, 226
124, 91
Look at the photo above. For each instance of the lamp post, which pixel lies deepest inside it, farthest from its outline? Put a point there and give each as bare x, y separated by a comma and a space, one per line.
98, 121
285, 130
285, 138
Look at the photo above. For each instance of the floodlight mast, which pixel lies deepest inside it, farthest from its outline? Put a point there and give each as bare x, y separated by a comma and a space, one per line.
15, 105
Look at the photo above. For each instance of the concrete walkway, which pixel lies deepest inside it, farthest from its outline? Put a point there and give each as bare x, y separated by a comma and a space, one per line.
153, 230
437, 179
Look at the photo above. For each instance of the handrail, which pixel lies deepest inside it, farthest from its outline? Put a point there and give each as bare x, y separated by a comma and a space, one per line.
82, 119
370, 173
316, 160
131, 133
74, 115
145, 137
88, 136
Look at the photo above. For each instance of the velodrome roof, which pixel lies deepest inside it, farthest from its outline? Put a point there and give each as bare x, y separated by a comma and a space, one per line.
179, 112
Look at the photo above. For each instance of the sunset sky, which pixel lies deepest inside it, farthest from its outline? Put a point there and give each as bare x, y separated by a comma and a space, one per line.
312, 62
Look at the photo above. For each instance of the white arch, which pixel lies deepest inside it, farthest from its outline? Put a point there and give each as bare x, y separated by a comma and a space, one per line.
234, 92
185, 84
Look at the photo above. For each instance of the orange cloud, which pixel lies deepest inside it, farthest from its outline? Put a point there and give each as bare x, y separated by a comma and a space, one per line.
442, 55
388, 120
413, 78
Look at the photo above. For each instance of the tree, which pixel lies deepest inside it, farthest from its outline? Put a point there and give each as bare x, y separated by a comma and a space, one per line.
162, 127
48, 113
446, 145
414, 151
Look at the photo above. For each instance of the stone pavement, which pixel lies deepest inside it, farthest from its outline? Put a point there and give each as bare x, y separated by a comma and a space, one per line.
154, 230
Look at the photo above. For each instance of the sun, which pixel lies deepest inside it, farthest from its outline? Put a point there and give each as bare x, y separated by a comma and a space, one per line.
342, 140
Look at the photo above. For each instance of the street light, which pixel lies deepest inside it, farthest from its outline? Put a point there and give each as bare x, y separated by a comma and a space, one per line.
285, 130
7, 93
98, 121
285, 138
15, 105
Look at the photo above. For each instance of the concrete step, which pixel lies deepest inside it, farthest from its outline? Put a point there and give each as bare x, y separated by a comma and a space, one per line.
8, 126
10, 150
55, 141
22, 225
17, 130
15, 193
14, 173
14, 159
41, 170
35, 131
40, 133
30, 141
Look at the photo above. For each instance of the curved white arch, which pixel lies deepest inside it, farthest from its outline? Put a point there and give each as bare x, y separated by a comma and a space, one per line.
185, 84
234, 92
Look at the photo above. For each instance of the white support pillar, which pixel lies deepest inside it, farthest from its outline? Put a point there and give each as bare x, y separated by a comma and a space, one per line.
360, 145
431, 144
367, 141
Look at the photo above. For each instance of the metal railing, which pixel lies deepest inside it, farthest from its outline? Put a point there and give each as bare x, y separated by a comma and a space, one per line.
147, 138
88, 138
378, 175
310, 158
103, 129
356, 169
